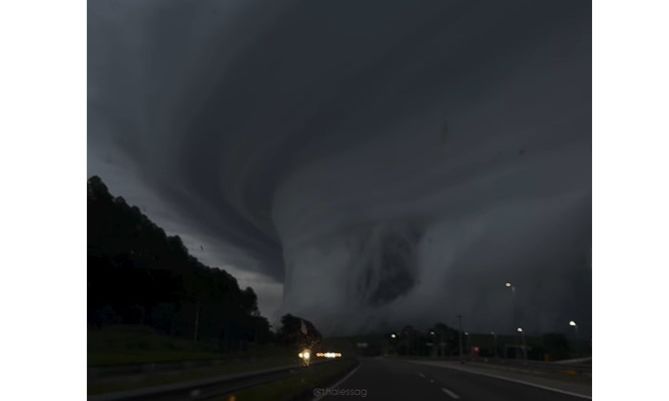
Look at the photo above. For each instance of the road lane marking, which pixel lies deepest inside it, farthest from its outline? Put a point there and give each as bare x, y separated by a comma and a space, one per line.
421, 374
556, 390
450, 393
339, 383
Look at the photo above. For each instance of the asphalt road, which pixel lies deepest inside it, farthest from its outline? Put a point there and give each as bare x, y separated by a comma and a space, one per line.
389, 379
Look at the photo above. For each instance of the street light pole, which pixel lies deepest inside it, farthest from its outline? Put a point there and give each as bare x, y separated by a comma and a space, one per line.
460, 337
575, 326
513, 303
433, 339
522, 339
468, 345
494, 343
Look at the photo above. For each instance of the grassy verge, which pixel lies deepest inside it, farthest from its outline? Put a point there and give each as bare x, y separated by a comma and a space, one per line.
123, 358
158, 378
119, 345
298, 386
123, 345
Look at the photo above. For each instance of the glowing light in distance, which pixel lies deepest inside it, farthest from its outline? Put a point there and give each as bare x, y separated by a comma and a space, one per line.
329, 355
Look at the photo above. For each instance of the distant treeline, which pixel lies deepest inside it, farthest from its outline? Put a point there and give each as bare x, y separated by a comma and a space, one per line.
139, 275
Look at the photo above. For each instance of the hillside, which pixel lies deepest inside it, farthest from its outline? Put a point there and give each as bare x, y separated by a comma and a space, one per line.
137, 274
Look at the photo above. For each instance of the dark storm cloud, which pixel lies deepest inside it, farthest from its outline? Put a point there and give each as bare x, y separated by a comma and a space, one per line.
401, 151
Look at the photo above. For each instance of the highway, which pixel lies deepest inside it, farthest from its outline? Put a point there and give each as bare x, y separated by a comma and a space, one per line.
391, 379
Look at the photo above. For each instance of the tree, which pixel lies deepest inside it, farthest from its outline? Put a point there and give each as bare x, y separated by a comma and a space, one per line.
298, 331
139, 275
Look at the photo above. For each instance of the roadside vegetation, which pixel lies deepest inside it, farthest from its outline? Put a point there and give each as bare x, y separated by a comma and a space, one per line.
299, 386
152, 303
135, 344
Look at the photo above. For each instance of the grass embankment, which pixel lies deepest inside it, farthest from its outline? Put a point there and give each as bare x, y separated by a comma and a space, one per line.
144, 380
123, 345
300, 385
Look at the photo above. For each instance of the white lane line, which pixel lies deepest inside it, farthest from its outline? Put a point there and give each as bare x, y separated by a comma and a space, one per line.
450, 393
421, 374
339, 383
556, 390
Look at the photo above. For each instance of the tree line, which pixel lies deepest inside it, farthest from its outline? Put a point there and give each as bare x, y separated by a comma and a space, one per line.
137, 274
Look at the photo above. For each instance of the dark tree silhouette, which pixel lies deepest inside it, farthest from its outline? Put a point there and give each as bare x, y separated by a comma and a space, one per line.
139, 275
298, 331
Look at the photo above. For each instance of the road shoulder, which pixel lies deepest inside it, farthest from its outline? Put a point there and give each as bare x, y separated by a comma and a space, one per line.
580, 390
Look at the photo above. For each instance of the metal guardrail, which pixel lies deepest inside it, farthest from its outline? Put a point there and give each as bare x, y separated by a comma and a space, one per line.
570, 369
136, 368
576, 361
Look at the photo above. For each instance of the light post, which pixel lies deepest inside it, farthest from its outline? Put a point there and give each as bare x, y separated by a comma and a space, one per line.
494, 343
434, 343
575, 326
512, 287
460, 337
513, 302
522, 339
441, 351
392, 343
468, 344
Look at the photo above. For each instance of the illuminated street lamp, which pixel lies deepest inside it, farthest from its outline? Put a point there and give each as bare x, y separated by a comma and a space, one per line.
522, 338
434, 346
460, 338
392, 343
575, 326
468, 343
513, 302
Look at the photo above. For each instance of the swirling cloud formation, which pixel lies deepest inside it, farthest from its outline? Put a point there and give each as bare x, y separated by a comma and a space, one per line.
386, 162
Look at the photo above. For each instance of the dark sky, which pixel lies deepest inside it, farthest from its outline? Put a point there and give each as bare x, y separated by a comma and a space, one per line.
398, 159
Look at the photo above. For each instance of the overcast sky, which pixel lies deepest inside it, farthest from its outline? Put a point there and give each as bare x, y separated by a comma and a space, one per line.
399, 159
